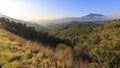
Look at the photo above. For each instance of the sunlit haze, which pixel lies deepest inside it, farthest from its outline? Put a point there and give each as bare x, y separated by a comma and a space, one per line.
49, 9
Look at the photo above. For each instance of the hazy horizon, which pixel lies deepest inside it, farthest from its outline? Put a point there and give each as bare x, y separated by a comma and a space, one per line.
50, 9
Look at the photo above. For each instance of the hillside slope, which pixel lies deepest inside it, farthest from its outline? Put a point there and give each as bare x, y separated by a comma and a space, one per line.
36, 26
94, 46
16, 52
100, 41
30, 33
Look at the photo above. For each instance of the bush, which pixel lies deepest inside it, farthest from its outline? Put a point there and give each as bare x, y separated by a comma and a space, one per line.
13, 65
28, 54
14, 58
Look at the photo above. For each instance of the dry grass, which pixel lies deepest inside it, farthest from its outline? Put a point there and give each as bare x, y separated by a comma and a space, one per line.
56, 59
36, 55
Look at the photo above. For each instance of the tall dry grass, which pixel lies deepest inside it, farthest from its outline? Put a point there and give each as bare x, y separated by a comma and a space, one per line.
62, 58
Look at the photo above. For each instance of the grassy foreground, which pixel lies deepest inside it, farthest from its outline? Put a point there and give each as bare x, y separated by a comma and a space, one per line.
16, 52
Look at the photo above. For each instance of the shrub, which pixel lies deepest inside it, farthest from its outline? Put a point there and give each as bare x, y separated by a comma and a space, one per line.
13, 65
14, 58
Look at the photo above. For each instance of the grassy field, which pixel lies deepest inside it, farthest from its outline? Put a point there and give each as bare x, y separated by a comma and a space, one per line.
16, 52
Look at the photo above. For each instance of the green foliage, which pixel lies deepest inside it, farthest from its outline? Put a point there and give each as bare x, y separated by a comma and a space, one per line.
75, 32
30, 33
100, 42
62, 47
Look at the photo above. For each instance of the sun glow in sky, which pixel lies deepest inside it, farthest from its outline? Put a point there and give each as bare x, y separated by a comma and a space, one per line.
22, 9
15, 9
48, 9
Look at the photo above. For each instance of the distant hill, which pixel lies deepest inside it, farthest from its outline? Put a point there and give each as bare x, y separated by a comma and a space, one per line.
87, 18
62, 26
99, 40
30, 33
93, 18
38, 27
73, 29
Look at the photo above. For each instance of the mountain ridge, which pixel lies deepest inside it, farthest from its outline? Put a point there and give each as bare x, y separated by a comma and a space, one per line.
38, 27
91, 17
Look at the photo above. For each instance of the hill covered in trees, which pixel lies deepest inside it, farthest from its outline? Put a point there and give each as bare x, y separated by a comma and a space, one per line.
100, 41
30, 33
75, 45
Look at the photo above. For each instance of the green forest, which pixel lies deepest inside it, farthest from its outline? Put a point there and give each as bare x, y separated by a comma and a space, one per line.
101, 42
90, 44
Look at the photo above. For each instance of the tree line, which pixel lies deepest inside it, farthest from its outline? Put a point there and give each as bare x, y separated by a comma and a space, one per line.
30, 33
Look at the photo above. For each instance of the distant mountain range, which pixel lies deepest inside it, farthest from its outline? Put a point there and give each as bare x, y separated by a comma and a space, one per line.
37, 27
91, 17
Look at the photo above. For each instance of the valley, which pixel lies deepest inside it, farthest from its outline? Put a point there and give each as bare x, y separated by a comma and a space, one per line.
59, 34
73, 45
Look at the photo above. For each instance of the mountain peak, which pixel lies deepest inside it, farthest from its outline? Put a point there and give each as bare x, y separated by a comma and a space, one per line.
94, 14
93, 17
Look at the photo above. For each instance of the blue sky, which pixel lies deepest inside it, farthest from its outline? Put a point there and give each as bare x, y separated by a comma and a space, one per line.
45, 9
76, 7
